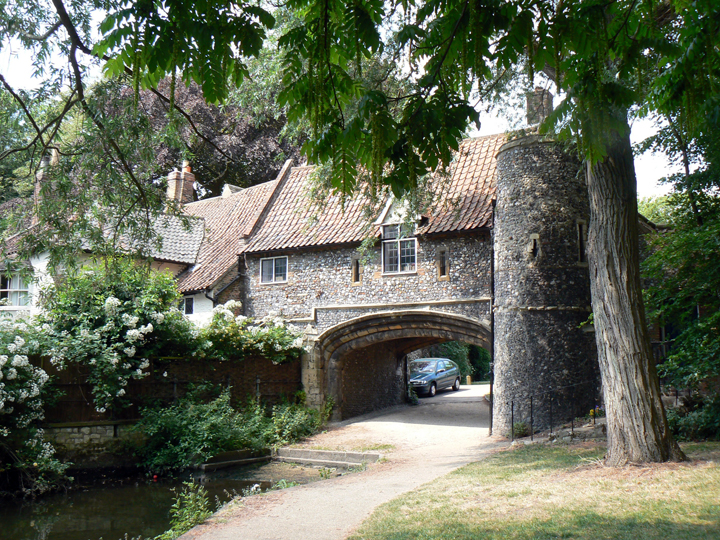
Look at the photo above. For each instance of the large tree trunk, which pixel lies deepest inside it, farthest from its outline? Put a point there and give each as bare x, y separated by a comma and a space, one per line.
637, 429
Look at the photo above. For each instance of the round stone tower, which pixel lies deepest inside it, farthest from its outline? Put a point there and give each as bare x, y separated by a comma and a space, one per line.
541, 288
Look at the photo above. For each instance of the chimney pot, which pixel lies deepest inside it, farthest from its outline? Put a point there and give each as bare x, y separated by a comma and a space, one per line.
181, 184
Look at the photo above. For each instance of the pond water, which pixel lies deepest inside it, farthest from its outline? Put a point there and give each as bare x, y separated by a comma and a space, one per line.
132, 506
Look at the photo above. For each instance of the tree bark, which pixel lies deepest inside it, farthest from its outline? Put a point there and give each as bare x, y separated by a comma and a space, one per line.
637, 429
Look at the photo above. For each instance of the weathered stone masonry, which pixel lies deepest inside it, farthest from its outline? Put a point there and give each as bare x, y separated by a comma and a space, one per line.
542, 287
518, 265
320, 294
322, 280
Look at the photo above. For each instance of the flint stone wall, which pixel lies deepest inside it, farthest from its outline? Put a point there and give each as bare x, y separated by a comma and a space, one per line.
323, 280
542, 287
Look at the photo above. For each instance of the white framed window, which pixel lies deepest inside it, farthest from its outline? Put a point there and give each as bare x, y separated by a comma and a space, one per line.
187, 305
399, 253
273, 270
15, 290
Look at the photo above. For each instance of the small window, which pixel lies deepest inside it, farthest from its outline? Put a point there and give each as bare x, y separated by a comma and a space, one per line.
398, 252
534, 246
14, 289
273, 270
187, 305
356, 270
443, 264
582, 241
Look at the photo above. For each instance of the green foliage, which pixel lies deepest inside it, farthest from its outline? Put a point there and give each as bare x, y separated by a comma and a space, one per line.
191, 508
656, 209
190, 432
697, 419
27, 461
521, 429
684, 274
112, 318
195, 429
289, 423
479, 359
208, 41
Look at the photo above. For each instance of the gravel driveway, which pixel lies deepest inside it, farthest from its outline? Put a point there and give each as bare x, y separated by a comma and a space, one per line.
419, 444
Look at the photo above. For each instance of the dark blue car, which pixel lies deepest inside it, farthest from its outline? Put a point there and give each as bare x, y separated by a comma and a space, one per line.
428, 375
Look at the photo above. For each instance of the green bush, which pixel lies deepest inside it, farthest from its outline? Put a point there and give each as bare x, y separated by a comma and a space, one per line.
194, 430
110, 318
479, 359
697, 419
230, 336
191, 508
289, 423
520, 429
189, 432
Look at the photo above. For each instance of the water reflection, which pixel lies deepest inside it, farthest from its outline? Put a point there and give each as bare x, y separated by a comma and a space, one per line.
140, 508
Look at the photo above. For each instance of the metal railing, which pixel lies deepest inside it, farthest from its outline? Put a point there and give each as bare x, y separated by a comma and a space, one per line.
533, 399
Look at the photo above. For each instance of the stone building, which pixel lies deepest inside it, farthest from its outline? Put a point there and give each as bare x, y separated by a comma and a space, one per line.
502, 267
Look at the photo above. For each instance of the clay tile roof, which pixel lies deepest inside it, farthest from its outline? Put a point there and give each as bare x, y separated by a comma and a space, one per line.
227, 220
293, 221
466, 201
465, 204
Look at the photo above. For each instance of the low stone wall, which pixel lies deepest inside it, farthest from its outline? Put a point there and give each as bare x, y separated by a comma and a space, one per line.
85, 435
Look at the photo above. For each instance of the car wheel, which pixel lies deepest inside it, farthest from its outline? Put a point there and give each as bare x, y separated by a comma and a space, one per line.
433, 390
456, 385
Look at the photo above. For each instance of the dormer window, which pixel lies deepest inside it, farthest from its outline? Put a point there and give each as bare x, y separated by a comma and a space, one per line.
399, 253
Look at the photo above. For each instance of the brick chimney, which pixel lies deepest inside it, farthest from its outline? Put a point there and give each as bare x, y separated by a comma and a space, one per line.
181, 184
539, 105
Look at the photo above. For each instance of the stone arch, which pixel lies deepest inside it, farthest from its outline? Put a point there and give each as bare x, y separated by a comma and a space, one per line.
393, 334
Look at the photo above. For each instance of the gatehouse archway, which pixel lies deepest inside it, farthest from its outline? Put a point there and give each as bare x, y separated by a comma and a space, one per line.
360, 361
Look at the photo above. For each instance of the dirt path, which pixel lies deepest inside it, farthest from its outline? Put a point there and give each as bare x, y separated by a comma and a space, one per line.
419, 444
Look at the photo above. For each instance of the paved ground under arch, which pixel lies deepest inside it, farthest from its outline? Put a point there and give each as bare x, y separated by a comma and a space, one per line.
442, 434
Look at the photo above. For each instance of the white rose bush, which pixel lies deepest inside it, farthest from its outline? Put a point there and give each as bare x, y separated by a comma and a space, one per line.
26, 459
111, 320
231, 336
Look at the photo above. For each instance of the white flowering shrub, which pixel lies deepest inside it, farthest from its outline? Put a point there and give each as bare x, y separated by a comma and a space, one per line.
24, 453
234, 336
111, 319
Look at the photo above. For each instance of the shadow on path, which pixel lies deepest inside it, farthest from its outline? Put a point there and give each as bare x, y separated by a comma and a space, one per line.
426, 441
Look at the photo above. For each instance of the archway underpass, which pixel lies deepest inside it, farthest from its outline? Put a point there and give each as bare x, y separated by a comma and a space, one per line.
362, 359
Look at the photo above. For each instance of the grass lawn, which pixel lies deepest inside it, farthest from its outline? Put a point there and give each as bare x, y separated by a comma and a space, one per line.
543, 491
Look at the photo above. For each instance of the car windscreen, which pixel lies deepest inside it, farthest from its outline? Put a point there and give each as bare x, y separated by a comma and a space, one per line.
422, 366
